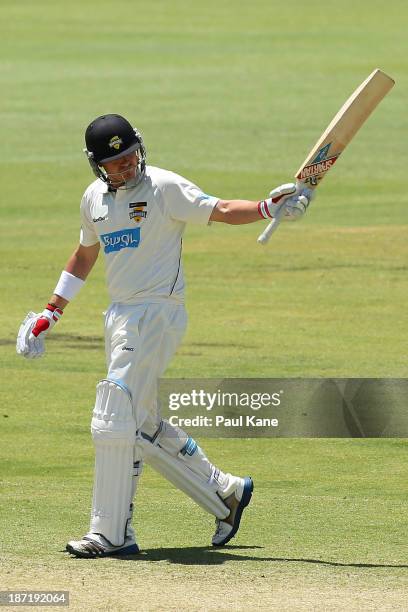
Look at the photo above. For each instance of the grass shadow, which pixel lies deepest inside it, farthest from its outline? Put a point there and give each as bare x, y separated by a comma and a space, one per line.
208, 555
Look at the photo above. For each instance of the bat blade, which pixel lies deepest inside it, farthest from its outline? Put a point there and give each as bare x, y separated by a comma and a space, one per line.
343, 127
337, 135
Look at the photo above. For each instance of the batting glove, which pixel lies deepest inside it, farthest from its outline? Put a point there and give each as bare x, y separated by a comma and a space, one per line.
295, 198
34, 328
296, 205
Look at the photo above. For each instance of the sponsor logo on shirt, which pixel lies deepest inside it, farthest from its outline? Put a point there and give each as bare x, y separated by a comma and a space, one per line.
137, 211
99, 219
203, 196
123, 239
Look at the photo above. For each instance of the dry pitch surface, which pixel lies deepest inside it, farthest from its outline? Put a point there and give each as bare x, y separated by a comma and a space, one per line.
171, 579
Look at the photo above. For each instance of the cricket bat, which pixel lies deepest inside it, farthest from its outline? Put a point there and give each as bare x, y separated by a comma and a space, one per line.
336, 137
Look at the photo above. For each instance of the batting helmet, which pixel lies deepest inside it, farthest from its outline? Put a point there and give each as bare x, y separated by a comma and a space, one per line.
110, 137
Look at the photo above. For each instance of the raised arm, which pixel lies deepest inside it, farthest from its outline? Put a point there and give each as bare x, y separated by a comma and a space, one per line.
235, 212
239, 212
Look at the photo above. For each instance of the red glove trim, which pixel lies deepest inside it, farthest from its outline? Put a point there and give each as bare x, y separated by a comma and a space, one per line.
41, 326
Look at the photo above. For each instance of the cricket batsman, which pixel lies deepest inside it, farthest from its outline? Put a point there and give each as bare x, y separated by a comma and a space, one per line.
136, 214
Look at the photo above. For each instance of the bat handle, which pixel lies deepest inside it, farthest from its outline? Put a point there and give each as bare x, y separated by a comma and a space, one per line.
273, 225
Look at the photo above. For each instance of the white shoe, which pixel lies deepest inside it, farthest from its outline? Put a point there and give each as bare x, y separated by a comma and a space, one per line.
95, 545
236, 502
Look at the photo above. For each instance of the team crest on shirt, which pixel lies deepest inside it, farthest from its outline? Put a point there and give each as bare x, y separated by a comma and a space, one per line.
137, 211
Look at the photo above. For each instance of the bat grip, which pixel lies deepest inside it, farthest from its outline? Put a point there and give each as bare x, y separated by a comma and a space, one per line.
273, 225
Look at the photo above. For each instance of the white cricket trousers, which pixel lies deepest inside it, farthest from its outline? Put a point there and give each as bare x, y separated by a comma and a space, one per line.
140, 340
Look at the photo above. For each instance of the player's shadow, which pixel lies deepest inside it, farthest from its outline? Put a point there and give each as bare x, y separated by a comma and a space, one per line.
208, 555
194, 555
77, 341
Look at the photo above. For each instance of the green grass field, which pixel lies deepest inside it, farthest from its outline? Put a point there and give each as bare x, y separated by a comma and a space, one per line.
231, 95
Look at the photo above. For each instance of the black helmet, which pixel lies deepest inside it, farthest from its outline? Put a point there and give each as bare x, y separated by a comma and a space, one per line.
110, 137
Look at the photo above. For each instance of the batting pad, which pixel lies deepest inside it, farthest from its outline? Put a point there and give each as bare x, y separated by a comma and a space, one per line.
113, 430
186, 468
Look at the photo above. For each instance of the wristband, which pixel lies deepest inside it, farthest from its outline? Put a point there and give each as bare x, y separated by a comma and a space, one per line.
263, 208
55, 311
68, 285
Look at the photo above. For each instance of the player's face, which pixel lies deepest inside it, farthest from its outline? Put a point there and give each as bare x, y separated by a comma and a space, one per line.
121, 170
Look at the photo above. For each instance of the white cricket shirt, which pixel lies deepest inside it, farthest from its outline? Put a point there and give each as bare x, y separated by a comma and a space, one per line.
140, 232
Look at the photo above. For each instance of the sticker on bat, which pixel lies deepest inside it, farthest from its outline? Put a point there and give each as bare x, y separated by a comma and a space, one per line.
316, 169
322, 154
320, 165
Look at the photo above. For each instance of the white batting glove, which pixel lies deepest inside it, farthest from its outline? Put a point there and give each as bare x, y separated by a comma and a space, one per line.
34, 328
296, 205
295, 198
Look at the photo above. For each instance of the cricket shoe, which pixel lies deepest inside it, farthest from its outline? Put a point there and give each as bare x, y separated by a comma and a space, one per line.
236, 502
95, 545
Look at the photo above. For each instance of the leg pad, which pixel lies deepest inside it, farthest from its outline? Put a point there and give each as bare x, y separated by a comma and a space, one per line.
114, 431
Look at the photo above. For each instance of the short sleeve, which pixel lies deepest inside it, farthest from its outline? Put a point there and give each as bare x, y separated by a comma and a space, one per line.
87, 236
186, 202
